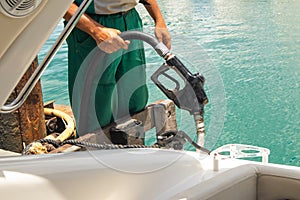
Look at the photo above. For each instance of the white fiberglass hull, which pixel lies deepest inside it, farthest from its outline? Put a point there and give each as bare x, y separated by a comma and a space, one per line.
143, 174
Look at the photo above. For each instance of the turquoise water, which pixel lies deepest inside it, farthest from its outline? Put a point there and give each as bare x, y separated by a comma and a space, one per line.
249, 52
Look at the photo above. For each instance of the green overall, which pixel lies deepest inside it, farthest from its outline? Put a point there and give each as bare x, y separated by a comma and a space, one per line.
112, 97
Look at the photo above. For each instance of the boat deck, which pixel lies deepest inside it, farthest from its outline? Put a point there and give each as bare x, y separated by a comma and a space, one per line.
4, 153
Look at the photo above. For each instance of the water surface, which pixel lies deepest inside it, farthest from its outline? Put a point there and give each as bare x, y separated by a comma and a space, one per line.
249, 52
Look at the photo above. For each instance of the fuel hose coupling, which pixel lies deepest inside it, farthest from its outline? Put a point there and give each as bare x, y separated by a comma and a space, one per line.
200, 129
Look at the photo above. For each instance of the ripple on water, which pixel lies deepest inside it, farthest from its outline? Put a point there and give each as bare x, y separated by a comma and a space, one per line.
253, 45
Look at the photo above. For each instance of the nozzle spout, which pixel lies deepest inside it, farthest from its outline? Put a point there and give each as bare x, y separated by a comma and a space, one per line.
200, 129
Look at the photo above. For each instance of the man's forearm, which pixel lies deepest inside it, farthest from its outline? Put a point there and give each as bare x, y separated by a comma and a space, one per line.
85, 23
154, 11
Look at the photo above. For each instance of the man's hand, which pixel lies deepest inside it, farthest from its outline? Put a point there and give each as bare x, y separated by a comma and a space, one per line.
163, 35
108, 39
161, 32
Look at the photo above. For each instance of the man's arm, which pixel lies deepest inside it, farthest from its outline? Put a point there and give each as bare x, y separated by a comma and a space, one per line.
161, 31
107, 39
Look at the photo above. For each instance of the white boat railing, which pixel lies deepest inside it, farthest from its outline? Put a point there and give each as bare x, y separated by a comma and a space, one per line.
242, 151
26, 90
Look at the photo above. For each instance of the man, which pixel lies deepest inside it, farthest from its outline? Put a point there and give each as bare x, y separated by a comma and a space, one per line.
100, 26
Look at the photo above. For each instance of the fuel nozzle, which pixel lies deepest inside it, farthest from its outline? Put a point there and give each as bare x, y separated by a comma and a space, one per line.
195, 99
194, 85
190, 96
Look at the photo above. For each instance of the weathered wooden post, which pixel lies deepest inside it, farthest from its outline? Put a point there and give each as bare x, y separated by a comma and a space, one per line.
28, 122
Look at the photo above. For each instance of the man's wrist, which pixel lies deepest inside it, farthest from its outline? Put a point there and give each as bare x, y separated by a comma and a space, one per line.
160, 24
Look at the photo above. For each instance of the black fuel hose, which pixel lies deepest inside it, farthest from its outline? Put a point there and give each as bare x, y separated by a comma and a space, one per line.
89, 77
159, 47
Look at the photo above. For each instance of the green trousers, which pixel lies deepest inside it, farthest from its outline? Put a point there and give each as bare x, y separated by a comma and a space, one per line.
121, 89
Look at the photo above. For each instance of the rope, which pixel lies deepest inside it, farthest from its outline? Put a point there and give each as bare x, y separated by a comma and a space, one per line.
57, 143
106, 146
37, 148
